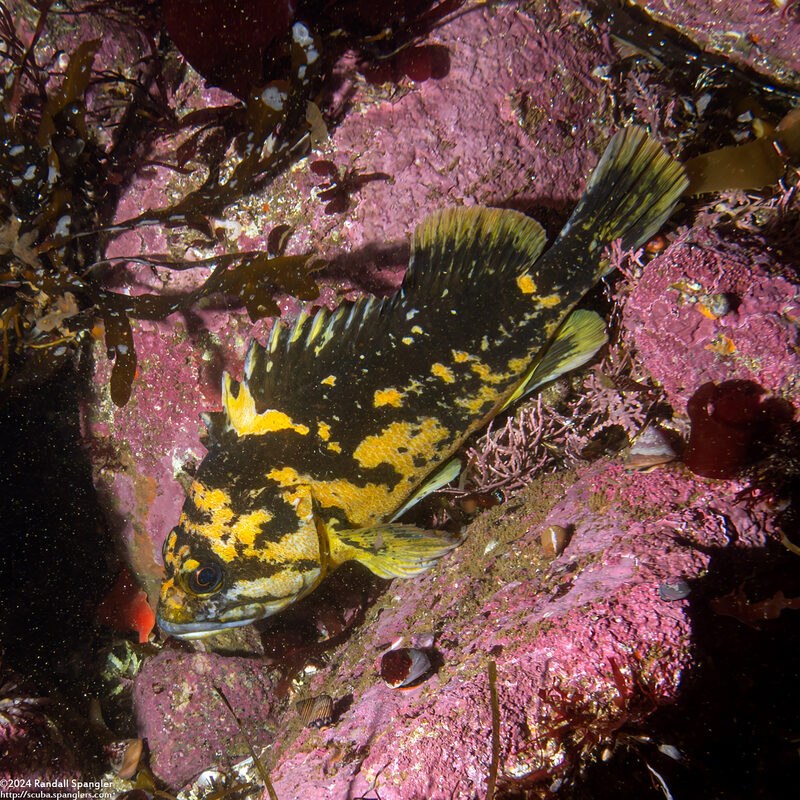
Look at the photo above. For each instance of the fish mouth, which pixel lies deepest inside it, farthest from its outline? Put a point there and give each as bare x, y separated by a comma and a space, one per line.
203, 628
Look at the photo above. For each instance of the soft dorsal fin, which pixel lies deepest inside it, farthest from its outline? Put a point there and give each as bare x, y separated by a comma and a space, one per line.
470, 247
458, 254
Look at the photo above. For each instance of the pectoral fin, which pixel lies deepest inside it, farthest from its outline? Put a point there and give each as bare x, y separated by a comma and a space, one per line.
396, 551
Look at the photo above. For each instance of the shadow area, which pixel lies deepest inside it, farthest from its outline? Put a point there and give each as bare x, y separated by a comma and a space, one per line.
56, 558
735, 724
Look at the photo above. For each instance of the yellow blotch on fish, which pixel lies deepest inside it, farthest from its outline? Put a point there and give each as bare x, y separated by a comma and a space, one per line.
246, 421
387, 397
442, 372
272, 509
526, 284
485, 373
223, 529
400, 443
547, 302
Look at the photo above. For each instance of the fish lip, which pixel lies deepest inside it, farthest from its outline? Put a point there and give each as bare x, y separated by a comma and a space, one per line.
199, 630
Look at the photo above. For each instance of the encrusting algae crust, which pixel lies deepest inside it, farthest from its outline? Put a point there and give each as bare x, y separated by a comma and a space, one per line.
350, 416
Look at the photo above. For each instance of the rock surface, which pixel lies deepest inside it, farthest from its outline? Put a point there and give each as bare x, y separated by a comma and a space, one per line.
732, 306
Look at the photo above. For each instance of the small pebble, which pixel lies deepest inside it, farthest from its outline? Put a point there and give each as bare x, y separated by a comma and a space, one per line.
674, 590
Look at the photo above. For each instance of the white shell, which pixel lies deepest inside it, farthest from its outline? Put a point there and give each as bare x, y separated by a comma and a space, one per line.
403, 666
651, 449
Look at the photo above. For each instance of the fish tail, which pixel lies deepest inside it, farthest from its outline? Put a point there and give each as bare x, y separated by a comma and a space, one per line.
631, 193
395, 550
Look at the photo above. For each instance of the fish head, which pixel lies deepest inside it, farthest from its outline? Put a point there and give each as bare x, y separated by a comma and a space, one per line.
225, 570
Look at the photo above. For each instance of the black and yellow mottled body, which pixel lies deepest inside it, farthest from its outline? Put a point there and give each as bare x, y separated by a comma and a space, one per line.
349, 416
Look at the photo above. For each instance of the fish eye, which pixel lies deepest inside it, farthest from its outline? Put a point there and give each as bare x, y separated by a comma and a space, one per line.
205, 579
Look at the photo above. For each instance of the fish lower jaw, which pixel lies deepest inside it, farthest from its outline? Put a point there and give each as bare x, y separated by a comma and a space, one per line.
204, 628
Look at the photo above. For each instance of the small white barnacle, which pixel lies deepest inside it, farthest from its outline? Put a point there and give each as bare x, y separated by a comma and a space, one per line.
273, 97
302, 36
62, 226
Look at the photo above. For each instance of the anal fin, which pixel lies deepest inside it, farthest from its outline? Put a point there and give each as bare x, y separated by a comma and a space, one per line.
438, 478
579, 338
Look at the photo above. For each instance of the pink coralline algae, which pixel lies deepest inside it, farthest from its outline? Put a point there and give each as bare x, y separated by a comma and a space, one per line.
183, 719
755, 338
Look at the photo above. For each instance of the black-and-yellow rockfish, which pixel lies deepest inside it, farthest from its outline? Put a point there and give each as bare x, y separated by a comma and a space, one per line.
349, 417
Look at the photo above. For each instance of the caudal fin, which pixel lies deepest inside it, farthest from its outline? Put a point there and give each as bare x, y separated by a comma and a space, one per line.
631, 193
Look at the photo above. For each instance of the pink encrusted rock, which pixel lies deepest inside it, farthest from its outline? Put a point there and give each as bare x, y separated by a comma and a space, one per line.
680, 341
761, 34
187, 726
518, 119
498, 597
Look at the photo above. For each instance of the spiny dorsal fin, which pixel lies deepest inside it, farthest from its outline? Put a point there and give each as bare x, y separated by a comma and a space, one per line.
463, 254
305, 353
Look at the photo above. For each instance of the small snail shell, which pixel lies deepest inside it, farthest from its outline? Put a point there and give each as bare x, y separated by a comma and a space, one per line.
316, 712
674, 589
402, 667
651, 449
554, 539
124, 756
